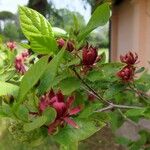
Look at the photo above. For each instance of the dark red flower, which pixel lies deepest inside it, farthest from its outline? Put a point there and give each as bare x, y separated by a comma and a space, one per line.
61, 42
69, 47
129, 58
127, 73
89, 55
11, 45
63, 109
19, 62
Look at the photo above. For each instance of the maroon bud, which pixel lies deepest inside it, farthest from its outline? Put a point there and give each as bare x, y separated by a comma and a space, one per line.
11, 45
60, 108
91, 97
89, 55
129, 58
126, 74
60, 42
69, 47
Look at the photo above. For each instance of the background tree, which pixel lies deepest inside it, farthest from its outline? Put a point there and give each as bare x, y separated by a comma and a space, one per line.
66, 19
11, 31
6, 15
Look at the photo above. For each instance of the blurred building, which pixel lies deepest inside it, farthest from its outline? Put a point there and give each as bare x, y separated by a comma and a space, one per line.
130, 29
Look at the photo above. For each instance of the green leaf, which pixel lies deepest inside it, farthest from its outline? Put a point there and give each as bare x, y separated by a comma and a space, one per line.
74, 61
50, 73
58, 32
140, 70
43, 44
114, 90
24, 45
37, 30
71, 146
123, 141
22, 113
50, 113
143, 83
99, 18
7, 75
89, 110
116, 120
104, 56
95, 75
36, 123
70, 135
8, 89
5, 111
31, 77
135, 112
33, 23
69, 85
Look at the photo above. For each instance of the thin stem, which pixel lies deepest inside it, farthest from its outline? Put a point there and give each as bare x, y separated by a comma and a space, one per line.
127, 119
99, 97
138, 92
126, 107
105, 108
111, 106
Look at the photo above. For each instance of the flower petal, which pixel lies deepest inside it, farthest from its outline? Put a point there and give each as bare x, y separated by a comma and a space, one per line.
52, 127
71, 122
70, 101
60, 96
75, 110
51, 94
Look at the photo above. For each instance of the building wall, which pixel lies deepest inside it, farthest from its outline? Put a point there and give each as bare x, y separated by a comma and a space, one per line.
131, 30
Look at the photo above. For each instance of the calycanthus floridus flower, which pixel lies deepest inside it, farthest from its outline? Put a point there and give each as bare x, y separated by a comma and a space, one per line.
129, 58
63, 108
11, 45
19, 62
89, 55
127, 73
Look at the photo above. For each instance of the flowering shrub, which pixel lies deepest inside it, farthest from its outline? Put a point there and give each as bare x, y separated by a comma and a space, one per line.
65, 90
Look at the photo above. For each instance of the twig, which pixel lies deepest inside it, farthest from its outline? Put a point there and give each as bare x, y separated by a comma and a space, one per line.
139, 93
127, 119
105, 108
117, 106
127, 107
99, 97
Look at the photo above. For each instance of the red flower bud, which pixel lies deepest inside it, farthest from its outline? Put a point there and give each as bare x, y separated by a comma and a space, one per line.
60, 42
11, 45
69, 47
89, 55
129, 58
127, 73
